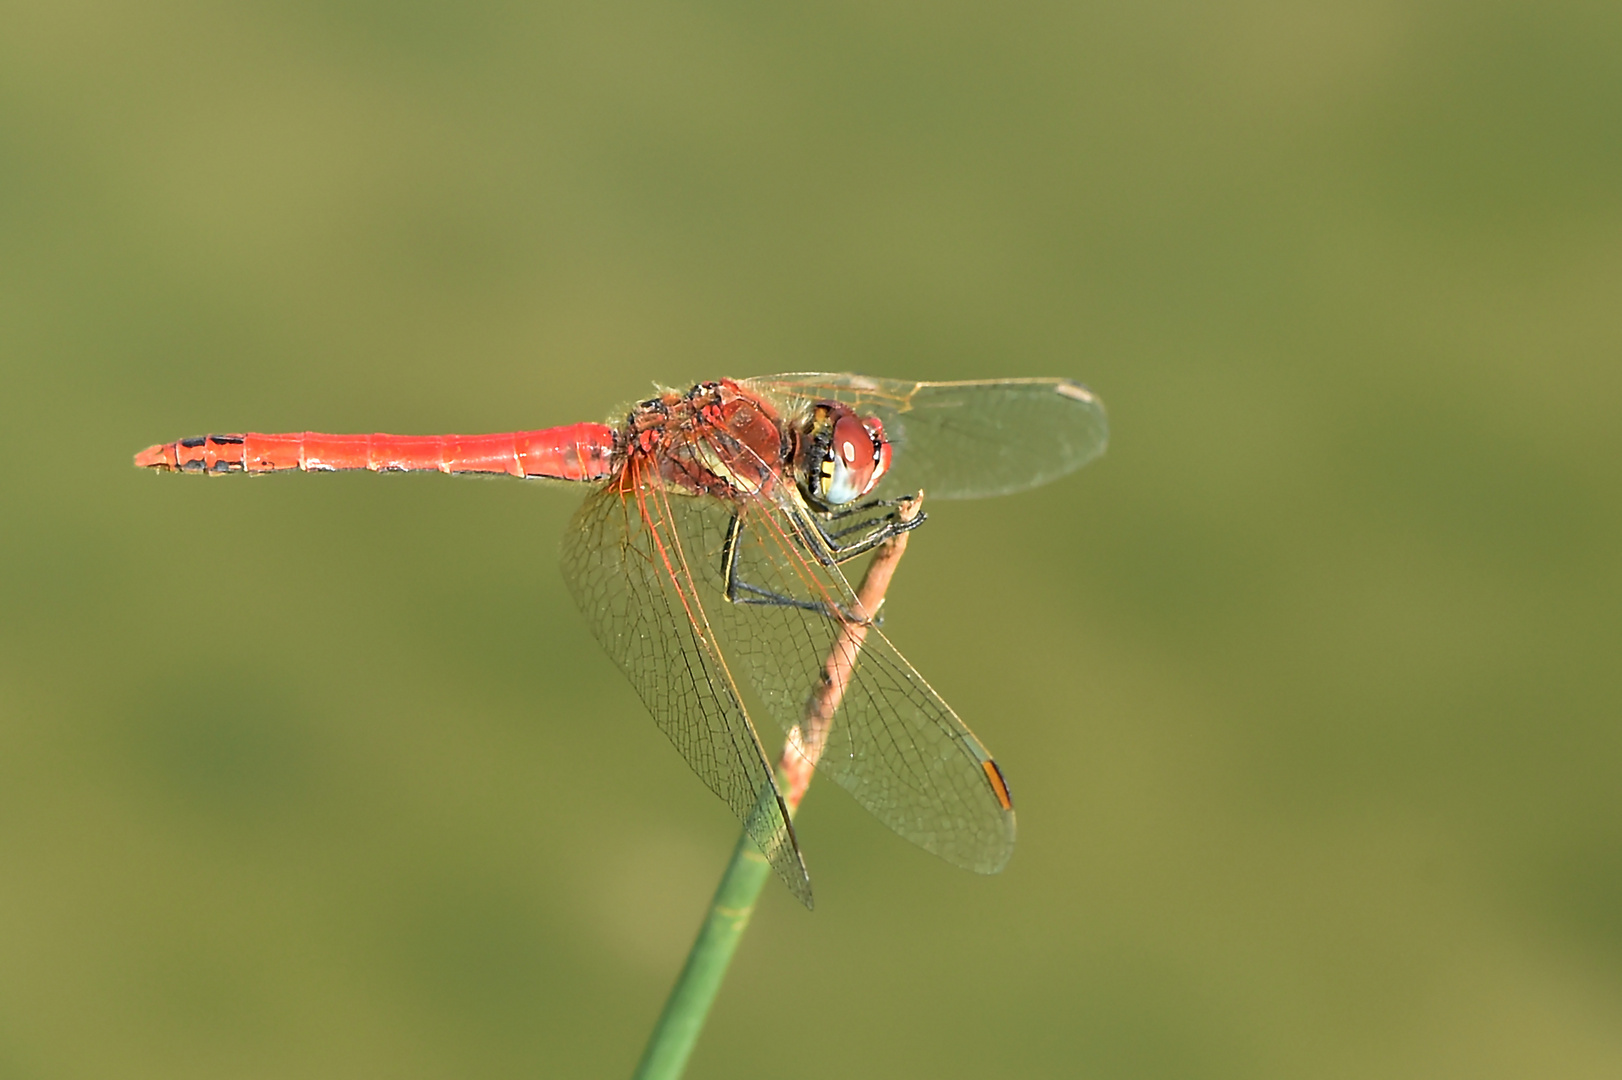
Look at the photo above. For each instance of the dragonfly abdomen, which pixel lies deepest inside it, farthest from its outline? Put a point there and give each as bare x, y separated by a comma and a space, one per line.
574, 452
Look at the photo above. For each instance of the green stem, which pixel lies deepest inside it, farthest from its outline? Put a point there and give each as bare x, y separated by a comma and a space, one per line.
671, 1043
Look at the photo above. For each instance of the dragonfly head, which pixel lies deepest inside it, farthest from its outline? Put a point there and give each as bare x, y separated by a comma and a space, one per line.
840, 456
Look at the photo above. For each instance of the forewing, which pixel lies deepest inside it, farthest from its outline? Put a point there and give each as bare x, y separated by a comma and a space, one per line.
633, 575
894, 744
965, 440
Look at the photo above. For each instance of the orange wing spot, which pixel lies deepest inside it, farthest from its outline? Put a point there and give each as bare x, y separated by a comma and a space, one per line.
999, 786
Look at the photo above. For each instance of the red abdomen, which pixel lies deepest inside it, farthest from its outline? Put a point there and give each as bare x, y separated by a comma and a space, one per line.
575, 452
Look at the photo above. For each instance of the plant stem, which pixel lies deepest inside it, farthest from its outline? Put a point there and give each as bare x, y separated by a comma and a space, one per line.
673, 1037
689, 1003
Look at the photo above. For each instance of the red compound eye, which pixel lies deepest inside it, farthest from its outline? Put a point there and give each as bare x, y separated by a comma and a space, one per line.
875, 430
855, 460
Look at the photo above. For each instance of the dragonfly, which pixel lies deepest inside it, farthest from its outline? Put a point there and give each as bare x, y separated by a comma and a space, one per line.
710, 562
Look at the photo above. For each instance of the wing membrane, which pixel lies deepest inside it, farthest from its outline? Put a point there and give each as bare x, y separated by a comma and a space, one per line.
894, 744
966, 440
632, 573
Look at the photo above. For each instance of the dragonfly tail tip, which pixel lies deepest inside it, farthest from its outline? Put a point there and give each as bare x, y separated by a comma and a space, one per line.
154, 457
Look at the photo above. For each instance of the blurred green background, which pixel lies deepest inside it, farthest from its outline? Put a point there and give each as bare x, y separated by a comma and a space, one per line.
1308, 690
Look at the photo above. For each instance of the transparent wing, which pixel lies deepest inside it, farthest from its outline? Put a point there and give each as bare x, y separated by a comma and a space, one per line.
632, 571
966, 440
894, 744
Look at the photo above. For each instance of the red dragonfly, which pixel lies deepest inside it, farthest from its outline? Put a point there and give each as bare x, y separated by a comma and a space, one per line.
708, 562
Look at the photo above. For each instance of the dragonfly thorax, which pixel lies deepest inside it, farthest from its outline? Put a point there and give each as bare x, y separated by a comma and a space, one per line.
841, 456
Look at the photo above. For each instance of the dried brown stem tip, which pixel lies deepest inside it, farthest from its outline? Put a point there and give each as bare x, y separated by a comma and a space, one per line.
806, 741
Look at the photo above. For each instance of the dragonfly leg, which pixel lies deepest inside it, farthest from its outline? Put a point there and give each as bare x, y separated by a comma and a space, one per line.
872, 504
741, 592
869, 533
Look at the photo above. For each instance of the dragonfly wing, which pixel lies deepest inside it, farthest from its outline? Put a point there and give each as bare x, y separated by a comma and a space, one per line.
894, 744
633, 576
966, 440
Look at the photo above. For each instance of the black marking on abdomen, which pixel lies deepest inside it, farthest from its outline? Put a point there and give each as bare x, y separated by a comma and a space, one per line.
193, 443
225, 440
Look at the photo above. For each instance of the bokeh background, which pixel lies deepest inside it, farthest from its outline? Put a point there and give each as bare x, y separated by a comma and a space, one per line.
1308, 690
